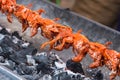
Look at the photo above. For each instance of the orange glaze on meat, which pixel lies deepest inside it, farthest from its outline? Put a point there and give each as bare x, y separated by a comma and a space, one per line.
62, 37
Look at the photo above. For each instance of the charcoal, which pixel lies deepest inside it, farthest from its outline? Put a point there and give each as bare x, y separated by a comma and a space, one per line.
41, 58
20, 56
6, 52
74, 66
74, 77
6, 42
44, 68
11, 65
59, 64
52, 57
79, 77
46, 77
62, 76
19, 70
4, 31
6, 63
95, 73
30, 60
20, 43
25, 44
15, 40
28, 51
98, 75
16, 34
25, 69
2, 60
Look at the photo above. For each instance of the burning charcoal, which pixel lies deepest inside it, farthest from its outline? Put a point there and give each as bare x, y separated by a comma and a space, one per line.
74, 66
2, 60
4, 32
95, 73
44, 68
16, 34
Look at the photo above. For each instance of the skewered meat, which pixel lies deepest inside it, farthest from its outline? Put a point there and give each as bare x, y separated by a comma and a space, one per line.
8, 7
62, 37
80, 46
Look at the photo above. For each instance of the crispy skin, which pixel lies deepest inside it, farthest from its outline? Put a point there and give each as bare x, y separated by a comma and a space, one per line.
80, 46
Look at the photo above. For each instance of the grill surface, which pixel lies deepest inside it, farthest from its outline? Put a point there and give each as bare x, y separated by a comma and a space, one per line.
93, 30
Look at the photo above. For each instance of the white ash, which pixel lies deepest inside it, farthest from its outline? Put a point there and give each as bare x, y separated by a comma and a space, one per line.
41, 53
30, 60
15, 40
60, 65
24, 45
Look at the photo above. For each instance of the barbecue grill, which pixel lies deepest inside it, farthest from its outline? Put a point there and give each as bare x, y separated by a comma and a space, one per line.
93, 30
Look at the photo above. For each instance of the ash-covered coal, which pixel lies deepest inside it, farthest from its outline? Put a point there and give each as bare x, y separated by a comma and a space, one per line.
22, 58
74, 66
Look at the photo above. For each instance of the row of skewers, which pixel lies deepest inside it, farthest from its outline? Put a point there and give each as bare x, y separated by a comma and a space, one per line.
62, 37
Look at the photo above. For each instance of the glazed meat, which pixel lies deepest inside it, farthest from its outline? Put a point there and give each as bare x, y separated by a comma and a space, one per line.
62, 37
